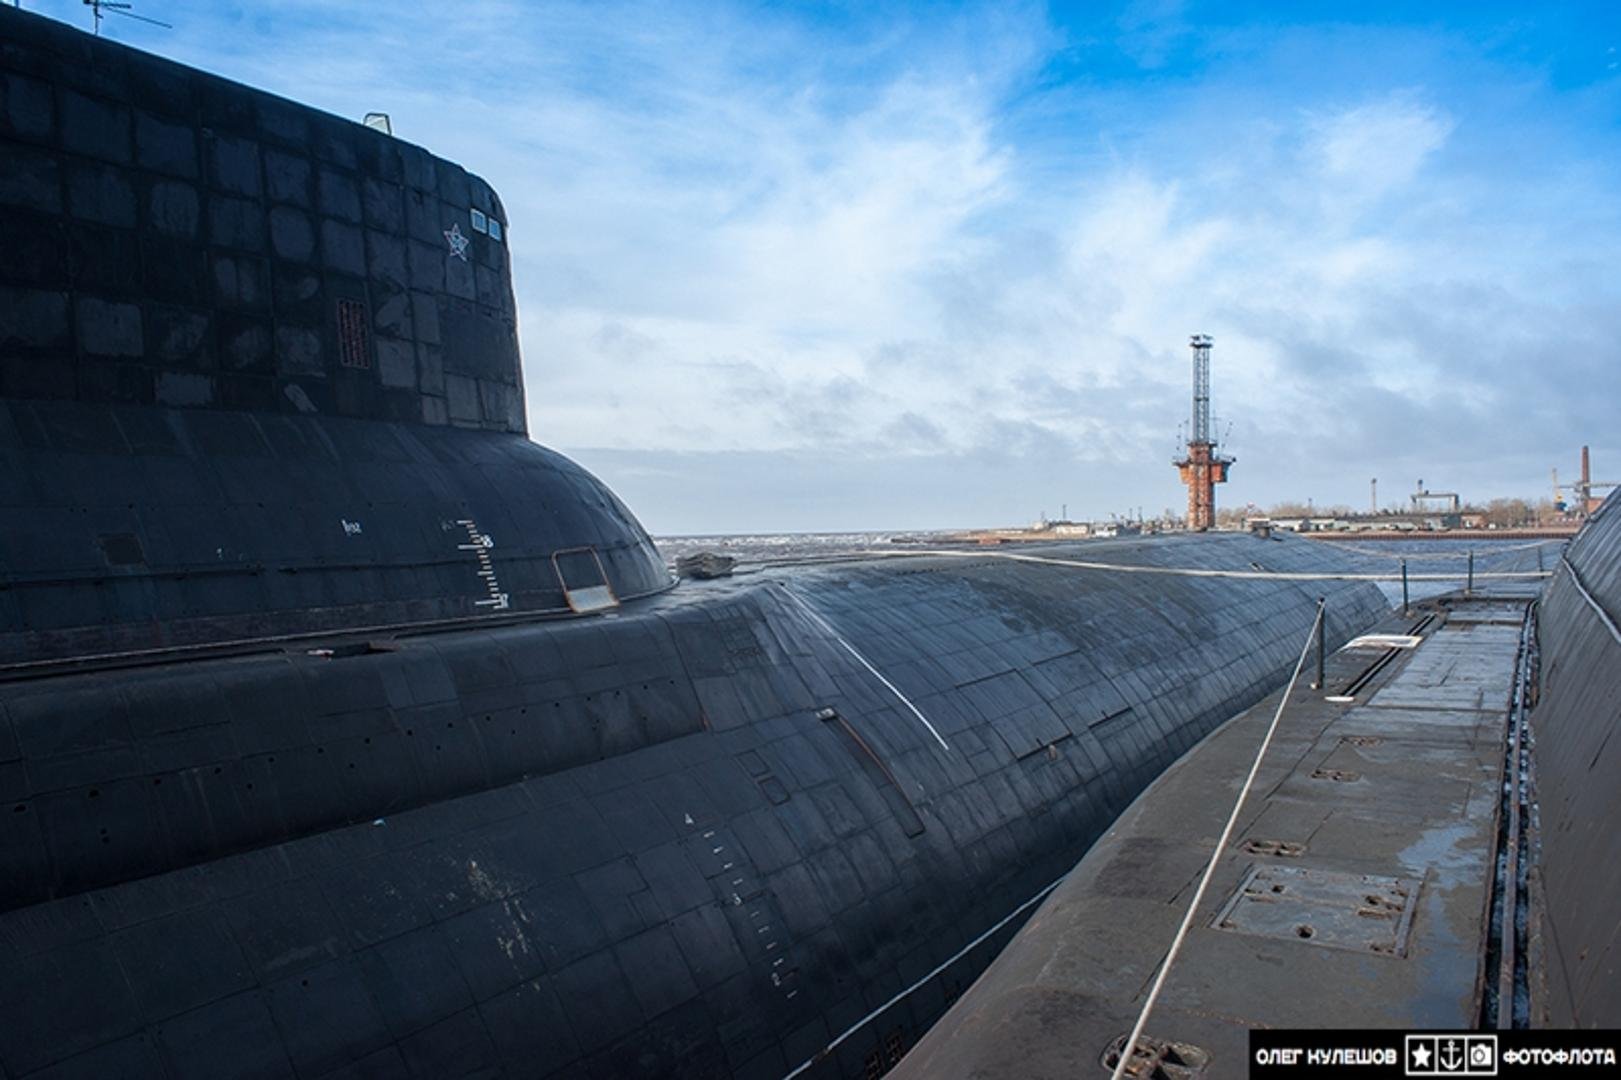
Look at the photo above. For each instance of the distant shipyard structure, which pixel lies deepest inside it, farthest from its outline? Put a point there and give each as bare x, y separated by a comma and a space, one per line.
1431, 512
1583, 502
1586, 502
1202, 467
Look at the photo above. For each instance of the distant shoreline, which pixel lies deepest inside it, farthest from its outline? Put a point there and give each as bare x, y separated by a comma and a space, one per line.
1549, 532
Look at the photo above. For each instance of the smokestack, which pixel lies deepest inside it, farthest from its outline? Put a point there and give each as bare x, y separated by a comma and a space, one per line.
1584, 487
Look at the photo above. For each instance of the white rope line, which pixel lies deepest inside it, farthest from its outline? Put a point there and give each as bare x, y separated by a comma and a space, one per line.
1488, 552
1215, 856
862, 660
958, 955
1188, 571
1604, 616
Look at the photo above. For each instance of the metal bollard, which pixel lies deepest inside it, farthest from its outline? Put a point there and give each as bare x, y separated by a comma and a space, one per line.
1470, 587
1404, 586
1540, 568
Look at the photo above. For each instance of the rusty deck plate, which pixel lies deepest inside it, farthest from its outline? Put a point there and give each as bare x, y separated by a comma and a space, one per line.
1460, 667
1498, 612
1359, 912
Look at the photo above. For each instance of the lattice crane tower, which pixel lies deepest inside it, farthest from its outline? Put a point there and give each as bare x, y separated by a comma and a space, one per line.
1202, 467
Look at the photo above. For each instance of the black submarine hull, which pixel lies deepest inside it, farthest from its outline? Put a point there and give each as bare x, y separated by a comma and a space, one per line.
312, 760
637, 846
1577, 873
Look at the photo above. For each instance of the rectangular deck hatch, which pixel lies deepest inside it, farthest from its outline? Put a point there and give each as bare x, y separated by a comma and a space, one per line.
584, 581
1359, 912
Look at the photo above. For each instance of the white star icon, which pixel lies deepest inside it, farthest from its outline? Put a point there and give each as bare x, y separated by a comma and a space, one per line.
1421, 1056
457, 242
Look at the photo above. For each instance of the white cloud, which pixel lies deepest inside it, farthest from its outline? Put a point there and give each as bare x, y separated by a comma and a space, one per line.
1370, 150
907, 244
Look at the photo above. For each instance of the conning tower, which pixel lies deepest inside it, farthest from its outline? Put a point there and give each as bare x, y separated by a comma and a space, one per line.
259, 375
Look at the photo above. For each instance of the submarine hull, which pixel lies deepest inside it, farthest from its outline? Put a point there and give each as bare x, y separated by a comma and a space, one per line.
699, 838
1577, 878
345, 731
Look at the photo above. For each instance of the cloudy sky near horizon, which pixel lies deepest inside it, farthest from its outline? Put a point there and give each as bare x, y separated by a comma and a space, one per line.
867, 266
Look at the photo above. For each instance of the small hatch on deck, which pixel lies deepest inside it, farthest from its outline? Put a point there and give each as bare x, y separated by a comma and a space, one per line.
1367, 913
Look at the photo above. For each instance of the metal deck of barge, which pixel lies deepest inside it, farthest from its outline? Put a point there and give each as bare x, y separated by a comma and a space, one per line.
1357, 890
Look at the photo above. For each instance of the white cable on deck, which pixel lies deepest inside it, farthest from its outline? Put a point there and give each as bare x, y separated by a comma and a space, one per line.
1604, 616
1215, 856
1436, 556
938, 968
864, 662
1187, 571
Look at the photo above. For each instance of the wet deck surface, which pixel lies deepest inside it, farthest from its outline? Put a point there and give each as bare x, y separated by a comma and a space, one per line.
1354, 893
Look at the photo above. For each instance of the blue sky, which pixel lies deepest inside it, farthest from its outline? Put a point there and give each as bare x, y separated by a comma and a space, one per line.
907, 266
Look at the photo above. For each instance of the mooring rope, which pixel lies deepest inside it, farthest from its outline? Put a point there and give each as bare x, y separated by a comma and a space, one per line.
1437, 556
1598, 609
938, 968
1183, 571
1215, 856
864, 662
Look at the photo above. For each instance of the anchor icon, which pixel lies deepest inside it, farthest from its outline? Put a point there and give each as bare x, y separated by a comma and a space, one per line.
1451, 1056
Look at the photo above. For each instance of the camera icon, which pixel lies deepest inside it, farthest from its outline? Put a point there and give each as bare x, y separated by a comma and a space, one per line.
1482, 1057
